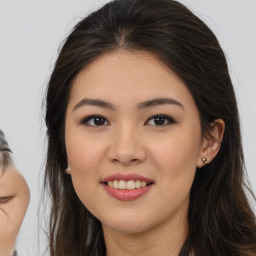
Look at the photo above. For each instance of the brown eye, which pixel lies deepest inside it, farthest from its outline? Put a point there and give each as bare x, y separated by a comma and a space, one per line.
95, 120
160, 120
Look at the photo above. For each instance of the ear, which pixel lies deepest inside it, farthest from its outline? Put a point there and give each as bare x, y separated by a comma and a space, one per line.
68, 170
211, 143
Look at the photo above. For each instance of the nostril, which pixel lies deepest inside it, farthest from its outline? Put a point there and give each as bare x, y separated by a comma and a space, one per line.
125, 162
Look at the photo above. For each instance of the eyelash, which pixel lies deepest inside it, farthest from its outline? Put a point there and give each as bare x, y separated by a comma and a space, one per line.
5, 199
169, 119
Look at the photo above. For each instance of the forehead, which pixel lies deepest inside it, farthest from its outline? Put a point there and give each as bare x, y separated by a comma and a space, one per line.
125, 77
9, 177
11, 182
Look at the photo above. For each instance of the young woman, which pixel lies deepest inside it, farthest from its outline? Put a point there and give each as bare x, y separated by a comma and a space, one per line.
14, 199
144, 147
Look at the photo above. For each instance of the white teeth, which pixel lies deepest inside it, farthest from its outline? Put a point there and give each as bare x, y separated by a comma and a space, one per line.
122, 184
138, 184
110, 183
131, 184
115, 184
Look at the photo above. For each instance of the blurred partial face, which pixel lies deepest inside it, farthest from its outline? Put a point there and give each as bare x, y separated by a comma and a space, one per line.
14, 199
133, 141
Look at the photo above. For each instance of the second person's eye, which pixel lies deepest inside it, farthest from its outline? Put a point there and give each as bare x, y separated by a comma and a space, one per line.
5, 199
95, 120
160, 120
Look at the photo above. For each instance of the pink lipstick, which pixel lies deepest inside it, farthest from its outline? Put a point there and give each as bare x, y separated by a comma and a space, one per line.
127, 187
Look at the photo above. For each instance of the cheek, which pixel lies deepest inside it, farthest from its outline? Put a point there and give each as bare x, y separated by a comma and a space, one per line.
83, 163
84, 154
175, 161
177, 154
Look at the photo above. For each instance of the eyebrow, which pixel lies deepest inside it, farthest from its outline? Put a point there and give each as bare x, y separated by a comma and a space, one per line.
142, 105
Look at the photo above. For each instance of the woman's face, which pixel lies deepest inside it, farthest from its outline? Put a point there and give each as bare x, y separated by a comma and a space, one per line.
131, 118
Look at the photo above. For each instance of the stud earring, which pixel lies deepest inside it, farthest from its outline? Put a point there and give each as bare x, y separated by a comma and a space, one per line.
203, 159
68, 170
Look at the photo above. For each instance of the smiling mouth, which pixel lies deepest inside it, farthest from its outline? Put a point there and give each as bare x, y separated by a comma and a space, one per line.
127, 185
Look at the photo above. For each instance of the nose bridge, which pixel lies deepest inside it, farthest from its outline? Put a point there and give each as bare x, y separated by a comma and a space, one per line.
127, 146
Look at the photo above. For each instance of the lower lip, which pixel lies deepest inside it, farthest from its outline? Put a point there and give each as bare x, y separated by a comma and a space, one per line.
126, 194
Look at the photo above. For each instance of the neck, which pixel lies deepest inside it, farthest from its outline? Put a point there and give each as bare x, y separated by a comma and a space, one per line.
165, 239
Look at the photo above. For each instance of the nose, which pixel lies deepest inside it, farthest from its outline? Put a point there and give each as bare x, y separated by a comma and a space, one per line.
126, 147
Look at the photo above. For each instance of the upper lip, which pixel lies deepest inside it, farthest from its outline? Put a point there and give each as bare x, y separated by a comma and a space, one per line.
126, 177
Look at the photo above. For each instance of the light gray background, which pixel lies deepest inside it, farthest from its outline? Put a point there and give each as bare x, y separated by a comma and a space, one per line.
30, 33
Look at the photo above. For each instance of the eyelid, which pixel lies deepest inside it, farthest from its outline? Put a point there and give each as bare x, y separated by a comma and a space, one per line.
5, 199
170, 120
90, 117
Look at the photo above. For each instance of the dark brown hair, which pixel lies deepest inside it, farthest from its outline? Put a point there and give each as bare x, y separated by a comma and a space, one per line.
5, 157
221, 221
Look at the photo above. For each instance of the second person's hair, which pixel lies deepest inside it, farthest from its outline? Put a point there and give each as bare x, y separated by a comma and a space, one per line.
5, 157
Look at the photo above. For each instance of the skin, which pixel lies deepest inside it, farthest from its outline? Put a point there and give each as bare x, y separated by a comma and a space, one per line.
14, 200
129, 141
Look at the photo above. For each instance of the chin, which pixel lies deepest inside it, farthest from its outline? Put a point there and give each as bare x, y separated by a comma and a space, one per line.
128, 224
126, 228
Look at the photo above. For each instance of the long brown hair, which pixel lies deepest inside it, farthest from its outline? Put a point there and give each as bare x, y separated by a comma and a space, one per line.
221, 221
